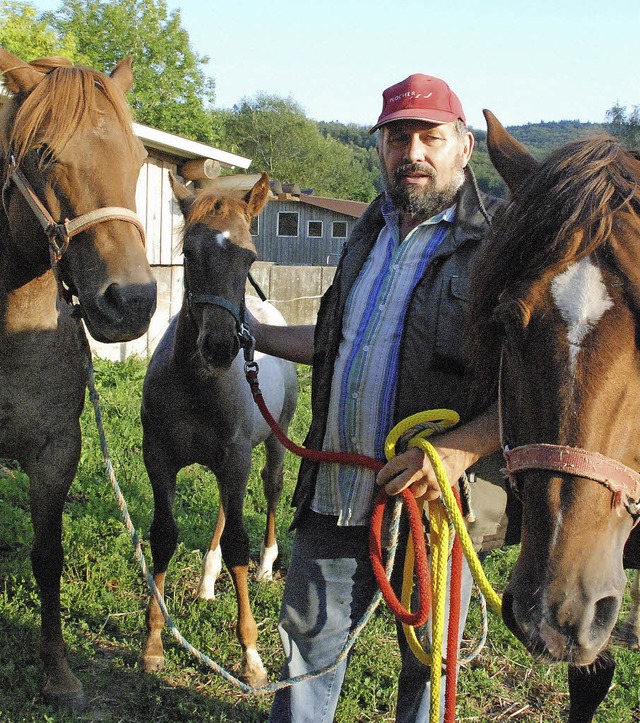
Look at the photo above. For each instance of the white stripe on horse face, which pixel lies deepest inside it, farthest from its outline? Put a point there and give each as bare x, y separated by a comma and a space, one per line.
222, 237
582, 298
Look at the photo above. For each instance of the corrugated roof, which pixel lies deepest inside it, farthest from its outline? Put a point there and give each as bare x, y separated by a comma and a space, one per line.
355, 209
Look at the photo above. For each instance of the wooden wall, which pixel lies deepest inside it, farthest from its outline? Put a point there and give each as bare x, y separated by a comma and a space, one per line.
301, 250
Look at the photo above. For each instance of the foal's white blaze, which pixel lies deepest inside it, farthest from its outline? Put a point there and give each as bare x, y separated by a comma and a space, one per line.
582, 298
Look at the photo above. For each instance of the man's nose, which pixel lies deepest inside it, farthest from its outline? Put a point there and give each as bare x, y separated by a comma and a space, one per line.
415, 150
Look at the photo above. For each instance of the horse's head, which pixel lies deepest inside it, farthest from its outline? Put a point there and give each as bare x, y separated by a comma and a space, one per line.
558, 301
218, 252
68, 151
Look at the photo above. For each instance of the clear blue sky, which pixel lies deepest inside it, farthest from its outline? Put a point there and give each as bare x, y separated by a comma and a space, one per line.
526, 60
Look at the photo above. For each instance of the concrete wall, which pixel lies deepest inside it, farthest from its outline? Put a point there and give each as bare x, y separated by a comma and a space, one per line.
294, 290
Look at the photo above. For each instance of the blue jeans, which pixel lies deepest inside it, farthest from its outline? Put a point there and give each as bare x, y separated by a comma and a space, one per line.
329, 585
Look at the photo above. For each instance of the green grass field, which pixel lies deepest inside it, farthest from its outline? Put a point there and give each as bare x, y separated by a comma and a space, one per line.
104, 598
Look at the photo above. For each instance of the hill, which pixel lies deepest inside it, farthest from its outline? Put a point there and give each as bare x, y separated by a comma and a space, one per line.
539, 138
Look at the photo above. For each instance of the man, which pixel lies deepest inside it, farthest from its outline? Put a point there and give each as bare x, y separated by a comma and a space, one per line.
387, 343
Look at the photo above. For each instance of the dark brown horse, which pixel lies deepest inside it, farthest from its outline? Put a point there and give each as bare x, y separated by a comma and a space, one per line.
69, 166
197, 406
558, 302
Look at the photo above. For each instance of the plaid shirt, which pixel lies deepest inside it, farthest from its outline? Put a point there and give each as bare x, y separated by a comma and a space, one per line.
364, 381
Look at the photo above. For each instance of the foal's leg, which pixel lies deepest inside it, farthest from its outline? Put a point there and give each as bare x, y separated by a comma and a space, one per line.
164, 539
48, 491
271, 473
630, 632
212, 562
232, 481
588, 687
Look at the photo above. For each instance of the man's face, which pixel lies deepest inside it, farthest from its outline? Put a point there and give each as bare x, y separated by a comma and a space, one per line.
423, 165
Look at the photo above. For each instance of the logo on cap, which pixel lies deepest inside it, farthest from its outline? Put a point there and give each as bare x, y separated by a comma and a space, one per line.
420, 97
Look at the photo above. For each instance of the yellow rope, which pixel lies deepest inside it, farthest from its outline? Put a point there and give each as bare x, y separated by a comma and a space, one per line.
440, 513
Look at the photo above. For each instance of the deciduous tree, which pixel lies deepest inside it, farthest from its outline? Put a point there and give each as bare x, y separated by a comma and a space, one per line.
625, 124
25, 34
171, 90
282, 141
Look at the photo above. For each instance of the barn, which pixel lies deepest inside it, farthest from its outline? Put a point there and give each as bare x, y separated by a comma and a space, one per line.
298, 228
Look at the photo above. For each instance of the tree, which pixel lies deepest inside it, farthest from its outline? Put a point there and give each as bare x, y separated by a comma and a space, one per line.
282, 141
25, 34
625, 125
171, 90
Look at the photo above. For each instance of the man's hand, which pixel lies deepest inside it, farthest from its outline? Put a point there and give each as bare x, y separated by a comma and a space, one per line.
459, 448
412, 469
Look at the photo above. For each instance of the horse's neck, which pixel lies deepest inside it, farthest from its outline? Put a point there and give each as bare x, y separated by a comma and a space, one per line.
28, 288
30, 306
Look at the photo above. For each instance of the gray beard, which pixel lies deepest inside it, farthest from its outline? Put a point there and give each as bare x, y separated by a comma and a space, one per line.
421, 203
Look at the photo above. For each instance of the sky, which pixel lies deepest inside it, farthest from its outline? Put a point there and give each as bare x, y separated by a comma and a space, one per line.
526, 60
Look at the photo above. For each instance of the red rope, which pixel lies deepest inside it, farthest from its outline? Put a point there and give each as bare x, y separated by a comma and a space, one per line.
421, 615
453, 630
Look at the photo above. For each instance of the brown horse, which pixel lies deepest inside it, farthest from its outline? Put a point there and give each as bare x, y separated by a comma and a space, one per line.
197, 406
556, 305
69, 165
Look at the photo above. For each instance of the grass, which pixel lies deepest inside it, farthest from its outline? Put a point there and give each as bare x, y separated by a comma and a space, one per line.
104, 598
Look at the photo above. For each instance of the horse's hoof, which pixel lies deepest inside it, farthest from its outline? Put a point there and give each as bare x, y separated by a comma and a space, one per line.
206, 590
211, 568
73, 701
268, 556
629, 637
253, 671
256, 679
152, 663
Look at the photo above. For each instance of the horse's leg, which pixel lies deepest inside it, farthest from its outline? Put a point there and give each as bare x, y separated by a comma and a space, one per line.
588, 686
212, 562
630, 632
271, 473
164, 539
234, 542
48, 492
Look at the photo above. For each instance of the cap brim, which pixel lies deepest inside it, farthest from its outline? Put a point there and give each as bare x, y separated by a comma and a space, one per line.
431, 116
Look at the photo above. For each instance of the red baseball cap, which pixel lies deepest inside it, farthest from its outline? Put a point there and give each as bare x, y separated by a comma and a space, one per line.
420, 97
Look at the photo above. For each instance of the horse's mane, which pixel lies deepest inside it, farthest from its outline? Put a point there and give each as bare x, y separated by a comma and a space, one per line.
61, 104
562, 212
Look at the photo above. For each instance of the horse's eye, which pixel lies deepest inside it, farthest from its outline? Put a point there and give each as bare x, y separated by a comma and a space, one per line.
512, 317
44, 154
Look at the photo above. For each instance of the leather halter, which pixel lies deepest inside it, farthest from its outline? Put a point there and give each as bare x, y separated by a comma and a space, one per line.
59, 234
247, 342
621, 480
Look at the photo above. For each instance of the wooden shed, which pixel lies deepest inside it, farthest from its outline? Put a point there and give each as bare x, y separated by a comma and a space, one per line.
297, 228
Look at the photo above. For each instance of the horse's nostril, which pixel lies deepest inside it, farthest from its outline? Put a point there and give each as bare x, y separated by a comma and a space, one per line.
605, 613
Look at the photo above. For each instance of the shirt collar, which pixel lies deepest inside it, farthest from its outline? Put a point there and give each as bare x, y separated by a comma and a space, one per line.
392, 217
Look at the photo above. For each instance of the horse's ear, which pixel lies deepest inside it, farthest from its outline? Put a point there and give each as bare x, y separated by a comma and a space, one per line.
122, 75
19, 77
184, 196
510, 158
257, 196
